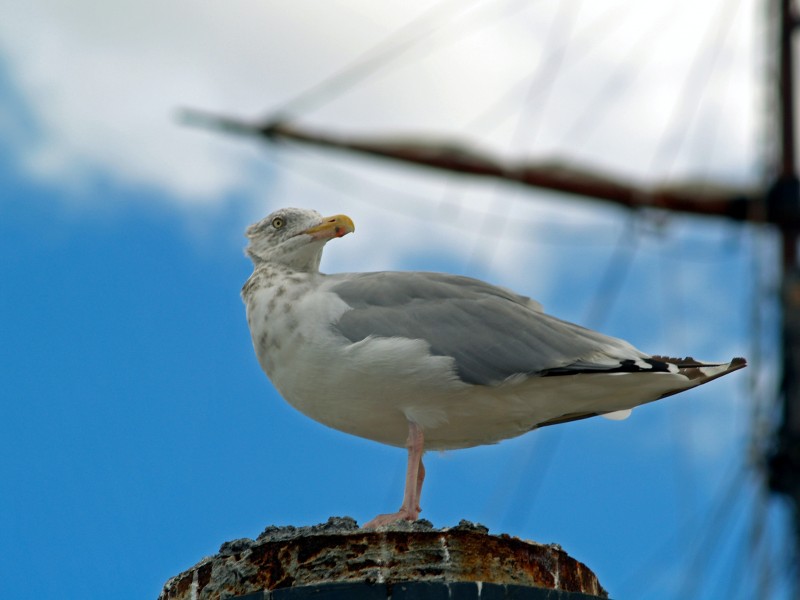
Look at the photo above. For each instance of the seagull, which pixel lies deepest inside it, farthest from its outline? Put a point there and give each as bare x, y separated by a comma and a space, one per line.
431, 361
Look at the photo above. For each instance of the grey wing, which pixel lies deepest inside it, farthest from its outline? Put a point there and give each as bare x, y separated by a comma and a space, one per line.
491, 332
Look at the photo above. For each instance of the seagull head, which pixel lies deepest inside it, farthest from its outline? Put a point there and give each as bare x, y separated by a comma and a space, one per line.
294, 237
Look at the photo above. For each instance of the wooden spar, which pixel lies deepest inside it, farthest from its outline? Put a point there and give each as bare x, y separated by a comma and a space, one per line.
698, 198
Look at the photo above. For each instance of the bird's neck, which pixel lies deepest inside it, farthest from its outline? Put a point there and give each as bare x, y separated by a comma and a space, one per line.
266, 273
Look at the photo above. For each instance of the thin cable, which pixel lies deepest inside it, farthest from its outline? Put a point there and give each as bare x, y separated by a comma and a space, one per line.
711, 135
759, 555
587, 122
372, 60
707, 538
672, 297
529, 481
735, 566
547, 74
543, 82
526, 496
641, 578
613, 278
501, 109
699, 74
777, 560
389, 52
741, 567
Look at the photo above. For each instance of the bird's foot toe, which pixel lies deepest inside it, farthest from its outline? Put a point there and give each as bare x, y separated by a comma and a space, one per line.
401, 515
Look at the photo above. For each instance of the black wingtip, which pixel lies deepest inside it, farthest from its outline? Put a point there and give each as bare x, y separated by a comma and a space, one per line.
738, 362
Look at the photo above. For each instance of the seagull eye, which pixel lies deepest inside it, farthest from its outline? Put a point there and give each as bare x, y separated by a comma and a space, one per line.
278, 222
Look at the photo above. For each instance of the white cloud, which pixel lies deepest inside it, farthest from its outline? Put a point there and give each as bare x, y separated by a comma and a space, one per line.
102, 82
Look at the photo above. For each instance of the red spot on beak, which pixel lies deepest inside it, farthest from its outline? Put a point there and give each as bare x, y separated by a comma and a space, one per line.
331, 227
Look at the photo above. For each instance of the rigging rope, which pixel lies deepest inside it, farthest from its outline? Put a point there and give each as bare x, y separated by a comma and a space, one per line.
373, 59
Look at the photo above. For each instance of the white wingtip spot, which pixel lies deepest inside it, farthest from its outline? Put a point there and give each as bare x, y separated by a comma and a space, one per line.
711, 370
618, 415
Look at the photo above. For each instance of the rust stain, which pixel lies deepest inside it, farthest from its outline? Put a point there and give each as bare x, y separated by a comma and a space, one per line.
204, 575
393, 556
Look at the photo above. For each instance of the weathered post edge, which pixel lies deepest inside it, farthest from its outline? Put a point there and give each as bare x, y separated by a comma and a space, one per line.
337, 560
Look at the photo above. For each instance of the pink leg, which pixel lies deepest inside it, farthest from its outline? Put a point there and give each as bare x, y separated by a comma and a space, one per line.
415, 475
420, 480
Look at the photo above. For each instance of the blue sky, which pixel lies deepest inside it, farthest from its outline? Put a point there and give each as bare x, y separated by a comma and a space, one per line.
139, 432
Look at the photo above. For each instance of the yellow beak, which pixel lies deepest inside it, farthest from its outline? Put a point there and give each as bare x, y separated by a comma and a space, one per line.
332, 227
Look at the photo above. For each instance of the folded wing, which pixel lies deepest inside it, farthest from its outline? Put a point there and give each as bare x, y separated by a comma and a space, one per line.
490, 332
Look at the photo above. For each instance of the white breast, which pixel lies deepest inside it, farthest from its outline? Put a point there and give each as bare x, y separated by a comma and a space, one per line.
369, 388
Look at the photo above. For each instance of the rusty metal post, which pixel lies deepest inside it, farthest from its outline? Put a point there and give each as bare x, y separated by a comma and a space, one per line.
405, 560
